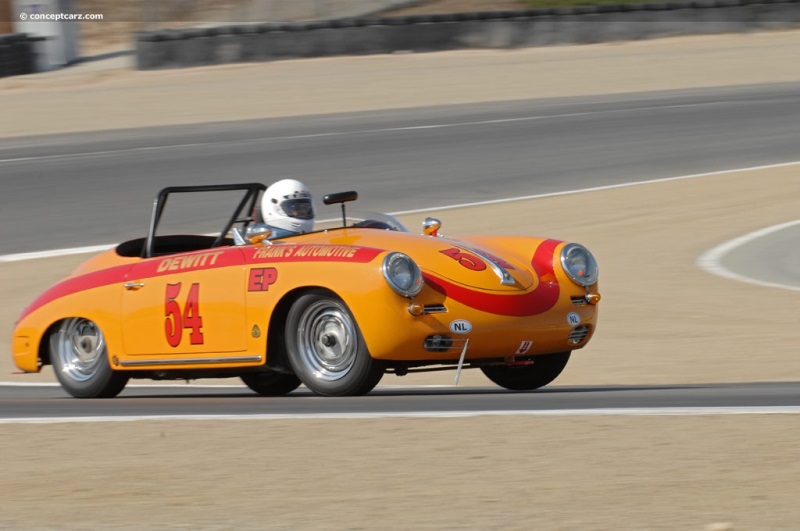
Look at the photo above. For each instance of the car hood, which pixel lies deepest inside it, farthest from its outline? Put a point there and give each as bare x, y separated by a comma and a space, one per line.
478, 263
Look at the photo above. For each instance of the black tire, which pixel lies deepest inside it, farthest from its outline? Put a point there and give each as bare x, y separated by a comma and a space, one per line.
271, 383
544, 370
326, 349
80, 360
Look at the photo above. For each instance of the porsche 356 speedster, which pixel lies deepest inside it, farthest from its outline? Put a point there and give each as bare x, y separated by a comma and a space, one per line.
334, 309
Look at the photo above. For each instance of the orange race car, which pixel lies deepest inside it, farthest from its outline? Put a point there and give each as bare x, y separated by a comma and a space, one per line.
333, 309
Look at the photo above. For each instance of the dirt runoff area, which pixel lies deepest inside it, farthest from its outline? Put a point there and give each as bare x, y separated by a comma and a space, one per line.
662, 321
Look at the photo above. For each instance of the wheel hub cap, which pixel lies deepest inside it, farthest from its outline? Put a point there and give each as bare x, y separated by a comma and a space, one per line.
81, 349
327, 340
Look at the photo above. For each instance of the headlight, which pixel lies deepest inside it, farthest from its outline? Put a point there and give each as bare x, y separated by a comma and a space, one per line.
579, 264
402, 274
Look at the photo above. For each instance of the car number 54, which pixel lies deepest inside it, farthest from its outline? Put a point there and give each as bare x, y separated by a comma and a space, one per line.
176, 320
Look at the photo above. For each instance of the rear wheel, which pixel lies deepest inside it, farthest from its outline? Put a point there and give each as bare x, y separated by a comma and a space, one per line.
80, 360
325, 347
541, 372
271, 383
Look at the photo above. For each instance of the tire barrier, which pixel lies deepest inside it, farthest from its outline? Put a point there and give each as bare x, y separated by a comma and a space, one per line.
429, 33
18, 54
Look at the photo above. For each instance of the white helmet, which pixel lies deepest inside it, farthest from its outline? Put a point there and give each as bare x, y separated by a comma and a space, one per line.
287, 205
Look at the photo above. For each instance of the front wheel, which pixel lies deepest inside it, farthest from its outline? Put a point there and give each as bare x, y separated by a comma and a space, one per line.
325, 347
80, 360
271, 383
541, 372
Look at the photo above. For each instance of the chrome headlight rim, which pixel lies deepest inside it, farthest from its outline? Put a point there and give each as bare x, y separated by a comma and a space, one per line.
590, 275
414, 285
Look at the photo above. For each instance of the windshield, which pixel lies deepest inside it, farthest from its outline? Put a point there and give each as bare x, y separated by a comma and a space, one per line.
362, 218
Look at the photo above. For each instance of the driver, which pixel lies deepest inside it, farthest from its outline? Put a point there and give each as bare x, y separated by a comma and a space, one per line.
287, 207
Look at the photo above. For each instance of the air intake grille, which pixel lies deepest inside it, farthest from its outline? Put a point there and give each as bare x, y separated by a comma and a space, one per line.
443, 343
578, 334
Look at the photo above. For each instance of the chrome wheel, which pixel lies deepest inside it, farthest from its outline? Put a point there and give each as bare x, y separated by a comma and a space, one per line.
80, 360
326, 339
326, 349
81, 349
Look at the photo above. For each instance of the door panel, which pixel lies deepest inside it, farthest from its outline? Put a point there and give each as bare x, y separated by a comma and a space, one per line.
189, 303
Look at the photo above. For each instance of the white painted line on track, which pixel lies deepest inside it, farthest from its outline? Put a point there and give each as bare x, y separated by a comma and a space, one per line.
600, 188
711, 260
601, 412
20, 257
138, 386
384, 130
220, 386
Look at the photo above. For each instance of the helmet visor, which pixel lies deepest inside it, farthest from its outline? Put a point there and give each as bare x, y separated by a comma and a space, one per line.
298, 208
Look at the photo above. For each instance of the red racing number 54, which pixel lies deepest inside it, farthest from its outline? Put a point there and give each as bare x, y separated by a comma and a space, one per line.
179, 319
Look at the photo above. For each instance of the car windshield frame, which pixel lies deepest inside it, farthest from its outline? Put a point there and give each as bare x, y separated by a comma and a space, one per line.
353, 218
246, 206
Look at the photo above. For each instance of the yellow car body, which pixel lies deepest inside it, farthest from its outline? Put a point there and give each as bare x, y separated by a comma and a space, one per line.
219, 311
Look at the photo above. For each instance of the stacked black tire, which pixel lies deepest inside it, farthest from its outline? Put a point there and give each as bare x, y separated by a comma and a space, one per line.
17, 54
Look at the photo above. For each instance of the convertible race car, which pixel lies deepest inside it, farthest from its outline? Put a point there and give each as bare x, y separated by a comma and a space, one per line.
334, 309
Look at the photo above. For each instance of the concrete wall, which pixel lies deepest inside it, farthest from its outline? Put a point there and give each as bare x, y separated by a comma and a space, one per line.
504, 29
60, 45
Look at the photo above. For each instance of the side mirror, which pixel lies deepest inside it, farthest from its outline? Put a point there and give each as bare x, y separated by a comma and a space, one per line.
341, 197
431, 226
257, 232
253, 234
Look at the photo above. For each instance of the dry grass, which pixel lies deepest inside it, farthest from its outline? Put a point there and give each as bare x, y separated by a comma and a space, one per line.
123, 19
461, 6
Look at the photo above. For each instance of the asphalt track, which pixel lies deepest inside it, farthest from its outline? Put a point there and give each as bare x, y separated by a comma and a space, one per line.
88, 189
97, 188
50, 403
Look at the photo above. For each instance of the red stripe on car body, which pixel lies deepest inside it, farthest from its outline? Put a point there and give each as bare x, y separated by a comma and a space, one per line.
72, 285
535, 302
200, 261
